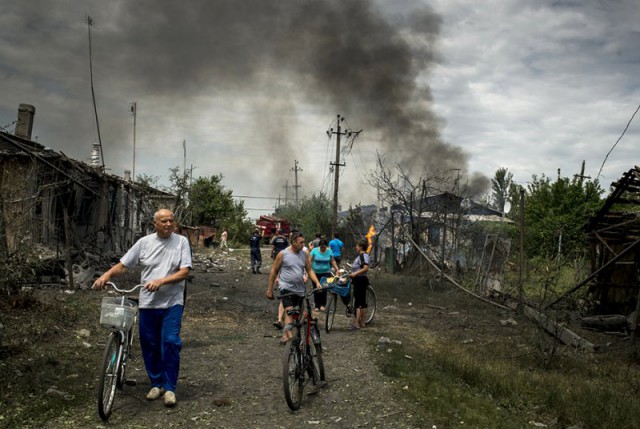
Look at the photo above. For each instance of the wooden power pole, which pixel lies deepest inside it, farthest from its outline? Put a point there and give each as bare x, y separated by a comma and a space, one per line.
338, 133
295, 170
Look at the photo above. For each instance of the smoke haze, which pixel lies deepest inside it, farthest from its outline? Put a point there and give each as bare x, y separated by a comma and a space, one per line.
264, 57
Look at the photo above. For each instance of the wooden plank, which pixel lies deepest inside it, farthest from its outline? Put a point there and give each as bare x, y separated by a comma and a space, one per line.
560, 332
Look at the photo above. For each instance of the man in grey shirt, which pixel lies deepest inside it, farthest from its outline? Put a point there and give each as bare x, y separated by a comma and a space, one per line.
166, 258
291, 264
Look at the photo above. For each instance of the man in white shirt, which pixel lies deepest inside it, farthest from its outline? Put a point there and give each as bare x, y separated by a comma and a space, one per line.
166, 258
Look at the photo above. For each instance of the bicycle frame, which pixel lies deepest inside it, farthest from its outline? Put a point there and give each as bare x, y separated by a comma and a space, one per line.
117, 352
301, 317
341, 279
303, 354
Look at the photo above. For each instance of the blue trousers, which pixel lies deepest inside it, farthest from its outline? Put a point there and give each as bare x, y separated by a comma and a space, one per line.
161, 344
256, 258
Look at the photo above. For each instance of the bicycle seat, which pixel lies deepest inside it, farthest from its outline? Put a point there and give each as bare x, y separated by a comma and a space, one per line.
294, 311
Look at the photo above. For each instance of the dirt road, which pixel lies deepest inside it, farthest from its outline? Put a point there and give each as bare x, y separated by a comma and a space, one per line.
231, 367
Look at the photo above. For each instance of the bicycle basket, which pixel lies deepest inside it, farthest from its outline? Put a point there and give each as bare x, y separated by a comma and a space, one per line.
342, 290
116, 314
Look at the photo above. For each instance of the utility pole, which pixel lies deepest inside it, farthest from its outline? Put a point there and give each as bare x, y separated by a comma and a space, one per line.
521, 256
134, 111
93, 94
286, 192
295, 170
456, 186
184, 160
338, 133
581, 176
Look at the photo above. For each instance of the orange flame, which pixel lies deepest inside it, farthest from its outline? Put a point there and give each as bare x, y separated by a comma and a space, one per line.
369, 236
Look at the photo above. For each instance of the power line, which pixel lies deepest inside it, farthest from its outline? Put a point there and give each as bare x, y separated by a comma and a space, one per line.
270, 209
617, 141
7, 126
259, 198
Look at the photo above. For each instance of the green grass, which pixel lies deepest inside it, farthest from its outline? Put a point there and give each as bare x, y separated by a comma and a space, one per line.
454, 384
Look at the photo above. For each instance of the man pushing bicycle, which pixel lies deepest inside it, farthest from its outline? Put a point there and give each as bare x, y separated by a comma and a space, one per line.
291, 264
166, 258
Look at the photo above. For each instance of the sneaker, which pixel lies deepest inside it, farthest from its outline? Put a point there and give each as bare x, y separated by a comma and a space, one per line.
155, 393
253, 270
258, 271
170, 399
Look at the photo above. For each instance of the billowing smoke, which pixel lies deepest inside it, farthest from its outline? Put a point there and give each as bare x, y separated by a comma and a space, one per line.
225, 58
341, 53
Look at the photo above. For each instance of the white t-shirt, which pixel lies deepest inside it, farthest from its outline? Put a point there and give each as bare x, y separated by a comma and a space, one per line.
160, 257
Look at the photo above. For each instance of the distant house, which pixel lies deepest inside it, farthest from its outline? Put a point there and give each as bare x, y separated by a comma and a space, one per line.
49, 199
435, 221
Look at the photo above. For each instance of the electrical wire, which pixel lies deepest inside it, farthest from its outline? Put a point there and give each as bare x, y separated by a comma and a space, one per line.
7, 126
617, 141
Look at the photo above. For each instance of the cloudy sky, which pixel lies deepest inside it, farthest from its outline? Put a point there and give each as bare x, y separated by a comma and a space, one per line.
252, 86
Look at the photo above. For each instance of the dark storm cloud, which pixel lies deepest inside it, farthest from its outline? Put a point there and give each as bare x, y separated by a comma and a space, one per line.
339, 53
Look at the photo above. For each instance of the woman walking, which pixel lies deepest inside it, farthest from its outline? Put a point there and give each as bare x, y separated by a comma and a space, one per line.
360, 281
321, 262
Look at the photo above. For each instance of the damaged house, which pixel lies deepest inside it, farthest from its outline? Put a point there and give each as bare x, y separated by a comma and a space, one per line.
446, 227
614, 236
68, 206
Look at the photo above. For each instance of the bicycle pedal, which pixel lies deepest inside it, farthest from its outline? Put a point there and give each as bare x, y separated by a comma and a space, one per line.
131, 383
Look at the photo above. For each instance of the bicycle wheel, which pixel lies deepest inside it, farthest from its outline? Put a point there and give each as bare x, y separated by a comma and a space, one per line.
332, 303
109, 375
316, 356
293, 374
371, 304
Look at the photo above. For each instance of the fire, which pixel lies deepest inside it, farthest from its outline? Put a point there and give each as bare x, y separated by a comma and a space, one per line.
369, 236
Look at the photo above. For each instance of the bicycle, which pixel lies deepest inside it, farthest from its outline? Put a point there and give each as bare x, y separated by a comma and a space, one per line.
119, 314
340, 284
302, 360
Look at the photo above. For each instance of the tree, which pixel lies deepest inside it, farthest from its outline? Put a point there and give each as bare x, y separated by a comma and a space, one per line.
311, 215
408, 194
147, 180
501, 187
555, 213
211, 204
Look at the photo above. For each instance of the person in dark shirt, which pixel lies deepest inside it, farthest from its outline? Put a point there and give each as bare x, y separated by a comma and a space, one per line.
279, 243
256, 257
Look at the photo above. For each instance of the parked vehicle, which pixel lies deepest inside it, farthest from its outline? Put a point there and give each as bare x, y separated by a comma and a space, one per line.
270, 225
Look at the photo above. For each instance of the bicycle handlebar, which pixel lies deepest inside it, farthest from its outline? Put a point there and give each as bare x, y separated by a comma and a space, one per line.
124, 290
306, 295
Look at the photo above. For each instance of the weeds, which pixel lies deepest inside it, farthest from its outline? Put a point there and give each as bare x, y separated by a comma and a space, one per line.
489, 392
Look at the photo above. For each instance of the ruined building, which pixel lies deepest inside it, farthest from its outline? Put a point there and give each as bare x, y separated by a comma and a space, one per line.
49, 199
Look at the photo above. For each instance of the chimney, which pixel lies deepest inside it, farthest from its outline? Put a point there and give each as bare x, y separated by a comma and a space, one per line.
127, 175
24, 126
